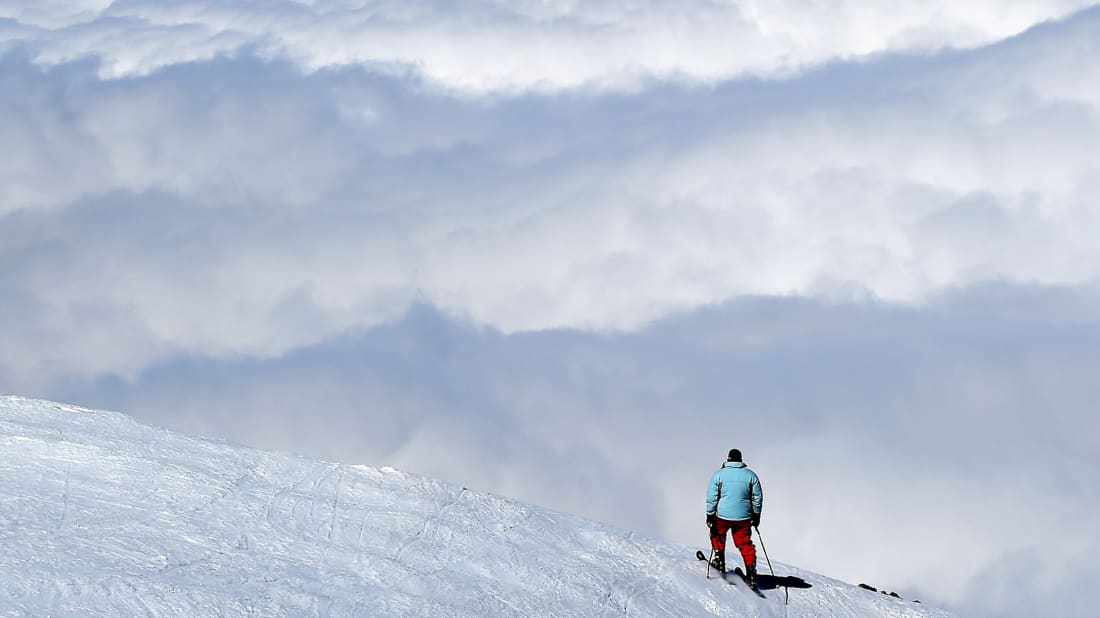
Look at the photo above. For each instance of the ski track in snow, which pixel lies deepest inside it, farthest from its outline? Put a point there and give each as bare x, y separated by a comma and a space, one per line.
102, 516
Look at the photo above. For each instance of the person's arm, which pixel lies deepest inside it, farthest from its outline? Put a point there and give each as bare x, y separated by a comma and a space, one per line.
757, 499
712, 496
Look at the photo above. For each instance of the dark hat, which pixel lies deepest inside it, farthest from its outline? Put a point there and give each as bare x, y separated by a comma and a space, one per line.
735, 454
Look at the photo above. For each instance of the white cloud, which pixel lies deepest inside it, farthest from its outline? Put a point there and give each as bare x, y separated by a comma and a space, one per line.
241, 207
489, 46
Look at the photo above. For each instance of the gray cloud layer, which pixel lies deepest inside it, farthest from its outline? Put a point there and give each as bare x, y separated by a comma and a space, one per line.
576, 277
941, 450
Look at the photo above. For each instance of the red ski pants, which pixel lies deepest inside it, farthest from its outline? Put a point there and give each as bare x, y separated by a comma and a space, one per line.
742, 538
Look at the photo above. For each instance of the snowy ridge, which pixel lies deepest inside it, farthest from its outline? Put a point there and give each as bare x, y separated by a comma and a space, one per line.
100, 515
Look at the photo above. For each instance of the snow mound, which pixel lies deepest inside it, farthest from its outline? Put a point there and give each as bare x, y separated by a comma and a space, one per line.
102, 516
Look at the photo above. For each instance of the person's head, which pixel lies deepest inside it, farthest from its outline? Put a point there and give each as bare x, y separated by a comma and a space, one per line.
735, 455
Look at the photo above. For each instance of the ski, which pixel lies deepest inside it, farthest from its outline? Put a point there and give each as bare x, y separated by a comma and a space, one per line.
736, 571
701, 556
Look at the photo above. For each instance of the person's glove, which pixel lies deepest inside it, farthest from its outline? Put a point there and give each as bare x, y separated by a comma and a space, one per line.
755, 520
712, 519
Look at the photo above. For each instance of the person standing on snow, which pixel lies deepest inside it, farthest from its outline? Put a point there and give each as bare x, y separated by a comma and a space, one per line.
734, 501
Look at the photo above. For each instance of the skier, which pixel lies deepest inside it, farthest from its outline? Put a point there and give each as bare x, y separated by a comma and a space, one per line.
734, 501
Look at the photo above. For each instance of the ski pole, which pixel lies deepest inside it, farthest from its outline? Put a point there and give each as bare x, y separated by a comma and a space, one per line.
760, 537
709, 561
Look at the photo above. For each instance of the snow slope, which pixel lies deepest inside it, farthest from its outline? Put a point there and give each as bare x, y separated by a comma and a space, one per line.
100, 515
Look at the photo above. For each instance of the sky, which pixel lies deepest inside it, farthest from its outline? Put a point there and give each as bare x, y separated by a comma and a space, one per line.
571, 253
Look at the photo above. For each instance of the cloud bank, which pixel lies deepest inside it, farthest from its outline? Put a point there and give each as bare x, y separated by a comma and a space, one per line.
591, 244
255, 209
486, 45
898, 446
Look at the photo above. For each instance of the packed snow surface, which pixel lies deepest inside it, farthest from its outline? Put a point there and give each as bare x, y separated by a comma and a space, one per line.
102, 516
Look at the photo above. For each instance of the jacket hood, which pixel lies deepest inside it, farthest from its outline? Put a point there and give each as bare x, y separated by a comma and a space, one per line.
734, 464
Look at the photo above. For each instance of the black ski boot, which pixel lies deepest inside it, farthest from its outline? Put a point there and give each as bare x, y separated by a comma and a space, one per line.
719, 561
750, 576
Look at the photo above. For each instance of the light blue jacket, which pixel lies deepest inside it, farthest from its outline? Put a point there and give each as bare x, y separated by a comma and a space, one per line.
734, 492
